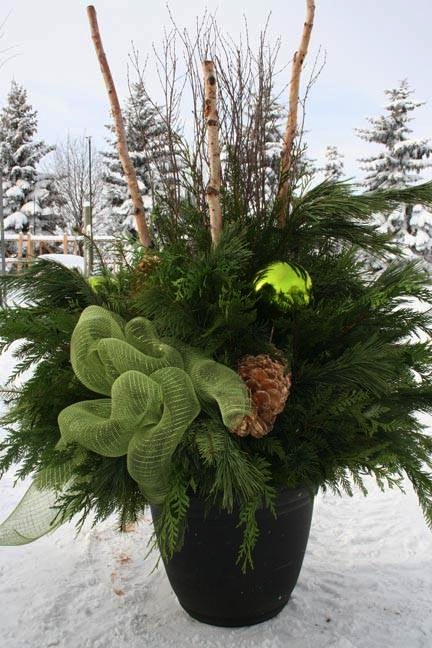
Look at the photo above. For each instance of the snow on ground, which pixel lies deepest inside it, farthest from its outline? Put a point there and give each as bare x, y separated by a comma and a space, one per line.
365, 583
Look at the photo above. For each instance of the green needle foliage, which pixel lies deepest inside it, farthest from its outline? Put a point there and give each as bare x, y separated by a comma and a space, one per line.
359, 352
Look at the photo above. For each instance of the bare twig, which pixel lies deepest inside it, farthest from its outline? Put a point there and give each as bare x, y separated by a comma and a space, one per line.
291, 126
128, 168
251, 120
5, 55
212, 122
300, 176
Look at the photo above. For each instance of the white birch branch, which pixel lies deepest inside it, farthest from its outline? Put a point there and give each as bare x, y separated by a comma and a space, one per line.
291, 125
128, 168
212, 123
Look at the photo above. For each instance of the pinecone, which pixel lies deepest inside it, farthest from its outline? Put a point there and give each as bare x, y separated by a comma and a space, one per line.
269, 388
148, 263
143, 270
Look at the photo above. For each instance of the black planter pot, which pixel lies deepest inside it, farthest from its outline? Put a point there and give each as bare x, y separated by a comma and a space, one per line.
208, 583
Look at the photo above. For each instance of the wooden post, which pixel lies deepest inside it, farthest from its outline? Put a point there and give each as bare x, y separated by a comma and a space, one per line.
2, 242
212, 122
128, 168
2, 229
20, 245
29, 246
65, 243
88, 252
291, 125
20, 250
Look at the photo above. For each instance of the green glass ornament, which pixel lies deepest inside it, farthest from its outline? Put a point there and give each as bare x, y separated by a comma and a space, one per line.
100, 283
284, 284
96, 282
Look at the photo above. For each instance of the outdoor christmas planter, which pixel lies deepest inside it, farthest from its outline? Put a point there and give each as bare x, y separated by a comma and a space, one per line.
254, 353
208, 583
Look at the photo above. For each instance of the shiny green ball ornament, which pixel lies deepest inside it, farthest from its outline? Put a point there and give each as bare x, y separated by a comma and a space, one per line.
100, 282
95, 282
284, 284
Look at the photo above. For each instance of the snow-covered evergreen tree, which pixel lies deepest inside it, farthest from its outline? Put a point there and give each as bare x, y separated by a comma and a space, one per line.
146, 140
28, 196
267, 134
404, 158
334, 164
399, 165
304, 166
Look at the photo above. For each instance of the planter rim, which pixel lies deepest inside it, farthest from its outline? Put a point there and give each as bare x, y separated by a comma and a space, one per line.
286, 499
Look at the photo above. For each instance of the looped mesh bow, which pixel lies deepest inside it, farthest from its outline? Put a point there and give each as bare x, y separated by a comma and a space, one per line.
152, 393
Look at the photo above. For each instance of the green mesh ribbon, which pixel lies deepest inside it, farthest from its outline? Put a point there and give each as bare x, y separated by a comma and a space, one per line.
32, 518
36, 515
153, 390
103, 347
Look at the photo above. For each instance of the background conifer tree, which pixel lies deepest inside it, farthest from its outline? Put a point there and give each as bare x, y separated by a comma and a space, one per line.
334, 164
146, 139
266, 126
399, 166
28, 196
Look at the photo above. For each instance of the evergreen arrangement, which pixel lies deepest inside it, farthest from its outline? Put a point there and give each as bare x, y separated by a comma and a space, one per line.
177, 324
253, 347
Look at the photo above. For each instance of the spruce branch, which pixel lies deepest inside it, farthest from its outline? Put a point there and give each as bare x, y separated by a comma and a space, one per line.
212, 122
291, 125
126, 162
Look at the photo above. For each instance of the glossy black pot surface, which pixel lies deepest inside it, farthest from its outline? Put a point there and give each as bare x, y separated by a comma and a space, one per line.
208, 583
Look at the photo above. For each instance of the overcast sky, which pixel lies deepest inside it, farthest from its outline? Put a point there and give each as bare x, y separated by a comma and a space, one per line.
369, 46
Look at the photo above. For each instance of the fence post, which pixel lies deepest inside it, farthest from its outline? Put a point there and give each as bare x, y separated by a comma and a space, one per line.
29, 246
20, 245
2, 241
65, 243
88, 241
2, 232
20, 250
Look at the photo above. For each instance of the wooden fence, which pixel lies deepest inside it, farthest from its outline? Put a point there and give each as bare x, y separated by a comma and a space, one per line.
26, 245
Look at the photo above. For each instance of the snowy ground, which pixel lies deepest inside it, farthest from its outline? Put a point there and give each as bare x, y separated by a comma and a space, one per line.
366, 583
